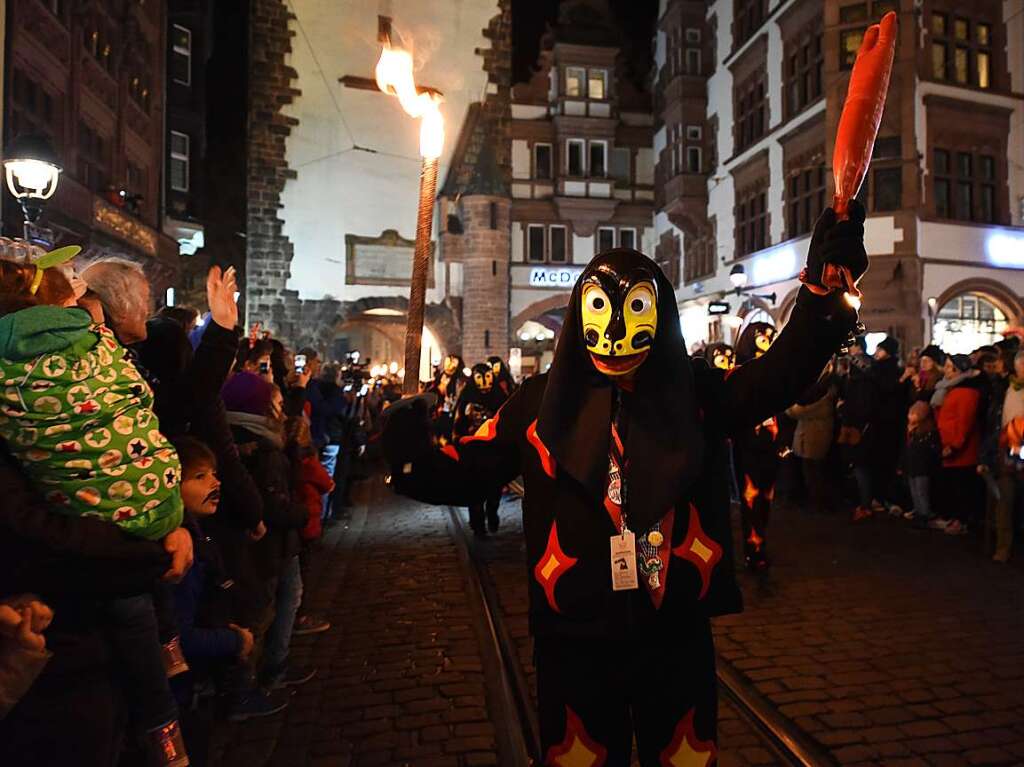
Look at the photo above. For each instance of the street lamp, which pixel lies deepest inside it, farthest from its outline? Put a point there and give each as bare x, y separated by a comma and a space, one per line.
394, 76
738, 277
32, 172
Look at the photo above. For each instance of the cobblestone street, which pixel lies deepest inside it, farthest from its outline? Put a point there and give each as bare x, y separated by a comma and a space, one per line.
887, 646
401, 678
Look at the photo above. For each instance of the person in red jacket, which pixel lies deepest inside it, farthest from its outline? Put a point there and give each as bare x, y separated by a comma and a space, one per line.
312, 483
959, 399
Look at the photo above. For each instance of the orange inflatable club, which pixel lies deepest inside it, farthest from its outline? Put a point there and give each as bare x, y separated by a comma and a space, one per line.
862, 112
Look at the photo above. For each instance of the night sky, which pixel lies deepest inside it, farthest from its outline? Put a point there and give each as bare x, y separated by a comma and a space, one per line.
637, 19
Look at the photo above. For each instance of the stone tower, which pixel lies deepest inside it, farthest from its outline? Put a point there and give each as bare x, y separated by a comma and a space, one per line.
486, 248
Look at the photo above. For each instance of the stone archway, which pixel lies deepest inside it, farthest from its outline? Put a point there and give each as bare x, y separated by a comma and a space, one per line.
320, 320
1008, 302
537, 308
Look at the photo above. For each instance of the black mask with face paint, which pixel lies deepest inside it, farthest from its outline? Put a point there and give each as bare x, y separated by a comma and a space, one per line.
482, 377
755, 340
720, 356
664, 443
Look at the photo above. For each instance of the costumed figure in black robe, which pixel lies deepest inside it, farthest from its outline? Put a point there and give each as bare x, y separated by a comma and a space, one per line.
622, 451
447, 385
502, 375
721, 356
480, 400
756, 457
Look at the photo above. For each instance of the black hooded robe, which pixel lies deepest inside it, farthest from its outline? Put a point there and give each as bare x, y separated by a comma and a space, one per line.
472, 409
756, 461
612, 663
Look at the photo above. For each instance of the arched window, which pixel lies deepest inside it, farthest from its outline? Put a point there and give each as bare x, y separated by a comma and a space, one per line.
966, 322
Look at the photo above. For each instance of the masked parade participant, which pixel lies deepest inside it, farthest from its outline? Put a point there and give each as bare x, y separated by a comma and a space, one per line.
447, 385
756, 457
502, 375
479, 401
622, 450
721, 356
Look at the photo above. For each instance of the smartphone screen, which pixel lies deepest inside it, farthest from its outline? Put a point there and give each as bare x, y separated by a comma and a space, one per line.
362, 392
264, 367
300, 363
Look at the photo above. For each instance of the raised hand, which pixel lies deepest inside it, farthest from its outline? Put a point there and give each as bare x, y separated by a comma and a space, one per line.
220, 295
836, 253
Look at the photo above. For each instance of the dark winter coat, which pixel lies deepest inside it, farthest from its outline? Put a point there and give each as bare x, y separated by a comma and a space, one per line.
922, 454
198, 605
566, 524
283, 512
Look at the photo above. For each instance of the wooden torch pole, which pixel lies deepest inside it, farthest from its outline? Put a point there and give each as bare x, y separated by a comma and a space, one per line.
420, 267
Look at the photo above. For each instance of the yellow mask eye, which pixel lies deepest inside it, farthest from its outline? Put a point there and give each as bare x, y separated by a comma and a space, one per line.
596, 314
489, 380
640, 302
478, 380
595, 301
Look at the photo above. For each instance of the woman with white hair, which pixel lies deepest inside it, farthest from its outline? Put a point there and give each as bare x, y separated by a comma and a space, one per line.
122, 288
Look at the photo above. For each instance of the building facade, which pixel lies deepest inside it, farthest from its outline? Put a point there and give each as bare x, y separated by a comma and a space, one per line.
189, 30
750, 99
90, 76
582, 171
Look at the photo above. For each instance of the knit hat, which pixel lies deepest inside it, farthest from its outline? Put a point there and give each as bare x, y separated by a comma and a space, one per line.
961, 361
891, 345
247, 393
935, 354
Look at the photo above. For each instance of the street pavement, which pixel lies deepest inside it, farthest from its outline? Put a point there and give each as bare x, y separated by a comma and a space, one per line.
887, 644
401, 675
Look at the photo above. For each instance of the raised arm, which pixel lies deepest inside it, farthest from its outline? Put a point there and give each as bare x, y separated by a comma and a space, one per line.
462, 473
821, 322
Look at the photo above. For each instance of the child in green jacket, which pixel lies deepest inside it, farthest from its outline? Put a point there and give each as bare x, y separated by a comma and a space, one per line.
79, 419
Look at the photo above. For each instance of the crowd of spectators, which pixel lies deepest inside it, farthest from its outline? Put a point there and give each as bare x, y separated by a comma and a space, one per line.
934, 438
166, 480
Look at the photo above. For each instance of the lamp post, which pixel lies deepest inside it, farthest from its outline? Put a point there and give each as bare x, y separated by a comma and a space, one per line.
395, 77
32, 172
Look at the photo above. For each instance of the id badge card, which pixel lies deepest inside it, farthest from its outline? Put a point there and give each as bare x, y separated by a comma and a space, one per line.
624, 576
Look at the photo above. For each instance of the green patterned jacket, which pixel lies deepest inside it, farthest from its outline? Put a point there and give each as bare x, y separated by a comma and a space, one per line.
79, 418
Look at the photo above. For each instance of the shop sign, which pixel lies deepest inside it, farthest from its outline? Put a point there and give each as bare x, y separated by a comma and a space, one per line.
554, 277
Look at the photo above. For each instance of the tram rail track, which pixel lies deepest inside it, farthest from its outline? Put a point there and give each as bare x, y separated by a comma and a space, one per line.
788, 743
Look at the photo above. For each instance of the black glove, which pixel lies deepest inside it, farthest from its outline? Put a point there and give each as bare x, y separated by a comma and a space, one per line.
836, 257
407, 432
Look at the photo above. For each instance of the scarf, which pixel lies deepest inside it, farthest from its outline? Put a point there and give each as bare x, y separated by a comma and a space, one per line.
260, 425
942, 387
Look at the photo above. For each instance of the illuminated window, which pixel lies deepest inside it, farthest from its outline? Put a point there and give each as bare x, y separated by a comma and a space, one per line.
959, 55
967, 322
597, 84
849, 44
574, 77
939, 61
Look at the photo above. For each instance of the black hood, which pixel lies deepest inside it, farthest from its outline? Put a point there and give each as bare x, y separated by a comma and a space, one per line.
664, 441
717, 348
746, 347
